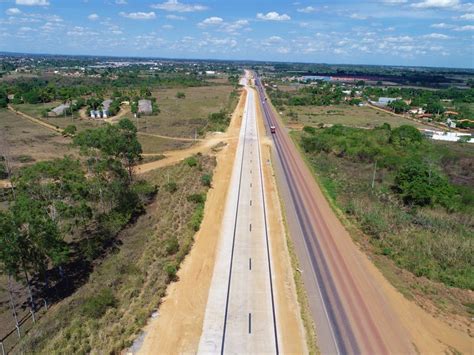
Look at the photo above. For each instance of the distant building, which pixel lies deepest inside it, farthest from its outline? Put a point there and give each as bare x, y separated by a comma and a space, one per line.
105, 108
447, 136
59, 111
315, 78
450, 123
210, 72
417, 111
384, 101
145, 107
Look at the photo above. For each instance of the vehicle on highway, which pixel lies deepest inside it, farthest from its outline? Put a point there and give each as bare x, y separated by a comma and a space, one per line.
272, 129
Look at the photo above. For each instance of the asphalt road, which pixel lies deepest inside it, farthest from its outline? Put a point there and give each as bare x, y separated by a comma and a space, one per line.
350, 312
240, 313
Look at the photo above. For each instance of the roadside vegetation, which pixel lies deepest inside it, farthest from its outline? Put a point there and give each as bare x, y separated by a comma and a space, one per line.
107, 313
413, 198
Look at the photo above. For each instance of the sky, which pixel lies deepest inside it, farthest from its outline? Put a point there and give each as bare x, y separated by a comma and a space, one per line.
390, 32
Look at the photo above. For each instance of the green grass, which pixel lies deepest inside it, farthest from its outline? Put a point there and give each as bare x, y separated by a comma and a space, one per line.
184, 117
344, 114
107, 313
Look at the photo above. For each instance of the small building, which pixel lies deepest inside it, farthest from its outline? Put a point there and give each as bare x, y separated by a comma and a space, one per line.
451, 113
210, 72
145, 107
59, 111
448, 136
105, 108
425, 116
450, 123
417, 111
384, 101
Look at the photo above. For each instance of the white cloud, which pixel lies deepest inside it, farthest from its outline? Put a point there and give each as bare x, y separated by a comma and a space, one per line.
465, 28
121, 2
211, 21
307, 9
395, 2
13, 11
430, 4
436, 36
139, 15
167, 27
176, 6
273, 16
467, 17
175, 17
93, 17
399, 39
358, 17
442, 25
32, 2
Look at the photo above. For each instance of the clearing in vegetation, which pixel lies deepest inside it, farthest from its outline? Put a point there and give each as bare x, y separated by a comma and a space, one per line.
27, 142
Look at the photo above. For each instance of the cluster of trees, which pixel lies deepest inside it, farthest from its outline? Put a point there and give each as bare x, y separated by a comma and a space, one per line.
403, 151
320, 95
67, 210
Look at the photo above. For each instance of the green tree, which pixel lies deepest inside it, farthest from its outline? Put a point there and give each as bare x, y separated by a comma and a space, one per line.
405, 135
399, 106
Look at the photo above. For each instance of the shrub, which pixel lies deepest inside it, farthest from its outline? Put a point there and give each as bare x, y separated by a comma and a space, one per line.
206, 180
171, 270
191, 161
172, 245
405, 135
197, 198
420, 184
96, 306
309, 129
171, 187
70, 130
180, 95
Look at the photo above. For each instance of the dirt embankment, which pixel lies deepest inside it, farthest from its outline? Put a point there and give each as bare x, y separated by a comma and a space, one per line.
178, 327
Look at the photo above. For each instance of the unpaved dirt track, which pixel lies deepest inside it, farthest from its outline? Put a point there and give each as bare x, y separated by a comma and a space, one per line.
354, 308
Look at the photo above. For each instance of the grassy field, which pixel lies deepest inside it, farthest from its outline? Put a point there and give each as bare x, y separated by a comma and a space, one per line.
421, 249
158, 145
28, 142
183, 117
107, 313
354, 116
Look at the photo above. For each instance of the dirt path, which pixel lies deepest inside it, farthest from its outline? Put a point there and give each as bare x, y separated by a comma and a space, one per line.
178, 327
171, 138
35, 120
4, 184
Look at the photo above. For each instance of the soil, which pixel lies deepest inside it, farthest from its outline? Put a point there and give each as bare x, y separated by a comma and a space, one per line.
185, 304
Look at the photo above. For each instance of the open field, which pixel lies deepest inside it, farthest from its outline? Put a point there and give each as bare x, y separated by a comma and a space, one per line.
152, 144
62, 122
184, 117
28, 142
106, 314
346, 115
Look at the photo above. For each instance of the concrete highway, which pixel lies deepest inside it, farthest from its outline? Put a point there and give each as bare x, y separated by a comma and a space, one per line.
240, 313
350, 311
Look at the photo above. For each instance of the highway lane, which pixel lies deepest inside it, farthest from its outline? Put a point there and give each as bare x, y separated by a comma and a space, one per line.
240, 313
350, 312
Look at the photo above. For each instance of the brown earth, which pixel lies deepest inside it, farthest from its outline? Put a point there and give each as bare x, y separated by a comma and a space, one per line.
178, 327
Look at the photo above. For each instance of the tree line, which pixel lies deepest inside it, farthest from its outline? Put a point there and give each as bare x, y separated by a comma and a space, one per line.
66, 211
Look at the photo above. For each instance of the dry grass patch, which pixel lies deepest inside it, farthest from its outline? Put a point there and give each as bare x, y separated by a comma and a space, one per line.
28, 142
